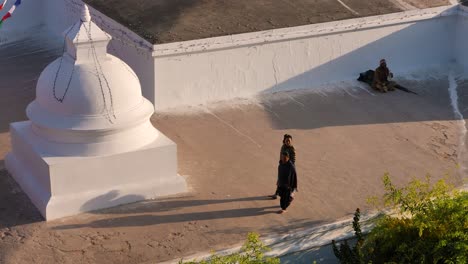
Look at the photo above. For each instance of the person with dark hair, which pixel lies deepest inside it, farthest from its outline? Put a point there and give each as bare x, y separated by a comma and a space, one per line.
381, 75
286, 147
287, 181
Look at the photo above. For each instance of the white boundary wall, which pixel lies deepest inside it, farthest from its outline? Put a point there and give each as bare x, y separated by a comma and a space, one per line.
199, 71
222, 68
461, 39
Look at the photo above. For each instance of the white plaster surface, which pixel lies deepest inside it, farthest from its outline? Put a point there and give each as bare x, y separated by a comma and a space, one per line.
52, 17
461, 40
89, 102
126, 45
202, 71
61, 186
90, 143
300, 57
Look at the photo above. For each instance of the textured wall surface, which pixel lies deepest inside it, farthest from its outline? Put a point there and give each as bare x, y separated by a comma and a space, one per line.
461, 39
200, 71
205, 70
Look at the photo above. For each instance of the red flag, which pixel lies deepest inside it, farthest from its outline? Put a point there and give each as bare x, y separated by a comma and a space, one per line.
8, 15
12, 9
2, 4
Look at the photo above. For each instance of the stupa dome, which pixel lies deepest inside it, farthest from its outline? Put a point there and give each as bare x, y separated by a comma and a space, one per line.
89, 134
89, 96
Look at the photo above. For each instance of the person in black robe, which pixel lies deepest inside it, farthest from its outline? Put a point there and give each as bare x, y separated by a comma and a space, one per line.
287, 181
288, 147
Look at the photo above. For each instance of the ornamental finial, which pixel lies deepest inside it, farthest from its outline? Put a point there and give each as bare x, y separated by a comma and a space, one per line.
85, 16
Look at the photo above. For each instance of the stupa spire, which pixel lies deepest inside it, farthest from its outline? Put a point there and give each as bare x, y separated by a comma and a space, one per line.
85, 15
85, 40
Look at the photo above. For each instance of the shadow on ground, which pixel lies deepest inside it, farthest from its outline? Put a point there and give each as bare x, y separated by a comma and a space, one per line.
166, 204
339, 105
21, 63
355, 107
145, 220
327, 177
15, 207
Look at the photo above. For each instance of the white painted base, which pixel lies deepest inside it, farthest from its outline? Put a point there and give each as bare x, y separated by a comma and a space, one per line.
64, 186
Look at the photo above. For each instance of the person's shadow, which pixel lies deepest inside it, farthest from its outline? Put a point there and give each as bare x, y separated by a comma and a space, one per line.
146, 220
154, 206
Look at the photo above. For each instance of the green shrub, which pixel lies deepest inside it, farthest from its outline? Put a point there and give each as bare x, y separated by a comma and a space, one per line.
252, 252
344, 252
432, 226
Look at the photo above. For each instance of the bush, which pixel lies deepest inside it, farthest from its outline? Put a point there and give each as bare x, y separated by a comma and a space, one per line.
345, 253
252, 252
432, 226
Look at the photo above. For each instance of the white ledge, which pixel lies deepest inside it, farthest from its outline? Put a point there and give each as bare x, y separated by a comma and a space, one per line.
283, 34
463, 10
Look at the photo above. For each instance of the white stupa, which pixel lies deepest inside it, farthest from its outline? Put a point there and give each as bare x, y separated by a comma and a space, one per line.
89, 143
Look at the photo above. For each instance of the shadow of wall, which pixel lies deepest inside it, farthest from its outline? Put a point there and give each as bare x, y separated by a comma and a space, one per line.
412, 46
21, 63
461, 40
302, 63
421, 45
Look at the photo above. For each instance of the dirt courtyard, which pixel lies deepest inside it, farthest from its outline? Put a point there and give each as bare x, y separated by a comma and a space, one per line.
346, 137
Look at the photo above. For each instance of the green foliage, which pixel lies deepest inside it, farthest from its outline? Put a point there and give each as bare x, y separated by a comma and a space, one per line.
252, 252
345, 253
432, 226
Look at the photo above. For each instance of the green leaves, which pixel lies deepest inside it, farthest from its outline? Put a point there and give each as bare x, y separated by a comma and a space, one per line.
344, 252
432, 226
252, 252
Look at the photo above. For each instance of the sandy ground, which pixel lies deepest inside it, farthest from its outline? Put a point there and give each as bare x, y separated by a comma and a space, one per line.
346, 139
162, 21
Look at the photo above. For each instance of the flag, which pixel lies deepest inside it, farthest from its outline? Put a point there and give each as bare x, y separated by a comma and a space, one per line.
10, 12
2, 4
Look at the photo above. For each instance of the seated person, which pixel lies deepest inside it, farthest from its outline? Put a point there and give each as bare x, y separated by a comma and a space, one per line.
380, 81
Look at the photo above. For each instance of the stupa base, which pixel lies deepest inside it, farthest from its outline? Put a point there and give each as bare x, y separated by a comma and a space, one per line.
65, 186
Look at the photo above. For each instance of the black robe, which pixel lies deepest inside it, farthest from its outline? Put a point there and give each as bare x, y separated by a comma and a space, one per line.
287, 177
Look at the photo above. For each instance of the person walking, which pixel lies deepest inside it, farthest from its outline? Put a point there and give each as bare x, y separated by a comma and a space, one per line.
287, 181
288, 147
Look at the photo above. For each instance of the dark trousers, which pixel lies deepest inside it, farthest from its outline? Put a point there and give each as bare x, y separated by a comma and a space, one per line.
285, 194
